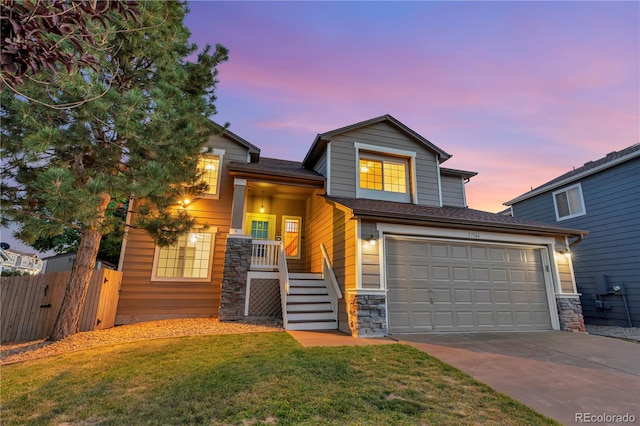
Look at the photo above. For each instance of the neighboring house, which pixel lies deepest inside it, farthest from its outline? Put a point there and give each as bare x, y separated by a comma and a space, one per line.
602, 197
368, 234
64, 262
15, 261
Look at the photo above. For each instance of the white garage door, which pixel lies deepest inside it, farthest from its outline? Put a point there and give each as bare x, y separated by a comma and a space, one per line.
464, 286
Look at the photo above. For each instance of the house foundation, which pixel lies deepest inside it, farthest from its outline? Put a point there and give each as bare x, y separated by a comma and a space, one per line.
570, 313
237, 261
367, 315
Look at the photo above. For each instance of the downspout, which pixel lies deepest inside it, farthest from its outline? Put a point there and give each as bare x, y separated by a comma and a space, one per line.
580, 238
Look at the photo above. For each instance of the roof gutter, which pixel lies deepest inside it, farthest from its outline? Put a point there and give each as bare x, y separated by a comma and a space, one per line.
471, 225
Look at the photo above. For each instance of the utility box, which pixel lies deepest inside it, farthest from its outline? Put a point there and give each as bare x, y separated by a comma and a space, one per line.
601, 285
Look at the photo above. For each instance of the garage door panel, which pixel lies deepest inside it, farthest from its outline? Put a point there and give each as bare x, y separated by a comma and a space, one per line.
462, 296
499, 275
520, 296
482, 296
470, 286
481, 275
518, 276
440, 273
459, 252
501, 296
479, 253
486, 318
441, 295
461, 274
439, 251
465, 319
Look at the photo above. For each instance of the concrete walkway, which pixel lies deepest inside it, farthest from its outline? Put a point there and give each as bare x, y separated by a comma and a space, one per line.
560, 374
334, 338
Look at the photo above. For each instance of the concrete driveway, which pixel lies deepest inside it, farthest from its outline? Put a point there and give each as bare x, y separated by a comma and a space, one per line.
567, 376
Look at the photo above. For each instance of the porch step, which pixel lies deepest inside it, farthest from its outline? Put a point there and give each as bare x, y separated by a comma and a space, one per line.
308, 298
305, 276
310, 316
307, 290
315, 325
308, 306
306, 282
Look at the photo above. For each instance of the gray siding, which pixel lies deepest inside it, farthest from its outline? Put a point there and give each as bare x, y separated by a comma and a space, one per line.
370, 255
343, 161
321, 165
452, 191
612, 248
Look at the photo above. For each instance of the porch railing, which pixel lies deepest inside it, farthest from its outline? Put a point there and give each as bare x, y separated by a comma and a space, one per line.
284, 284
330, 279
265, 254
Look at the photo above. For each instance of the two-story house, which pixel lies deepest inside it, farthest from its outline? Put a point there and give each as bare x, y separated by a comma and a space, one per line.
602, 197
368, 234
24, 263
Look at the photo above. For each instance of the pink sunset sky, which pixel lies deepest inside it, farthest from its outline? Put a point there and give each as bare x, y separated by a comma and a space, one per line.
519, 92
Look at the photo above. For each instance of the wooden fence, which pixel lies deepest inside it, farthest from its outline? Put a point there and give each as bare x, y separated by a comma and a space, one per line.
29, 304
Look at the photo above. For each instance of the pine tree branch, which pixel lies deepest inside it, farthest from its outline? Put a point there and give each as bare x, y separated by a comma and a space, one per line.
51, 218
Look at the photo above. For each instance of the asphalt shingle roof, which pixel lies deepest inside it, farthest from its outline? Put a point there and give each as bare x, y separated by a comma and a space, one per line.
459, 216
575, 174
276, 167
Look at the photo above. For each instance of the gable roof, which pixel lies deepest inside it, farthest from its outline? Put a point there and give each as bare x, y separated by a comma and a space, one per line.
612, 159
455, 172
254, 151
458, 217
276, 168
320, 143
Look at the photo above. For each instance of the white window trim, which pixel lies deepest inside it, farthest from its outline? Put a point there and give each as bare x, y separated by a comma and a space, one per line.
213, 230
386, 152
566, 189
214, 152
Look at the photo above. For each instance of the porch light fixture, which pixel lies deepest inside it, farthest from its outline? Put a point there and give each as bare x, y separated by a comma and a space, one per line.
371, 240
262, 206
566, 252
184, 203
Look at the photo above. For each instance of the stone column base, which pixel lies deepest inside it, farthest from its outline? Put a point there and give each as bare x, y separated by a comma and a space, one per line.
237, 261
367, 315
570, 313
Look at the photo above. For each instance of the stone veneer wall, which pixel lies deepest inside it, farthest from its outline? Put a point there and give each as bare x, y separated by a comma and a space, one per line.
570, 314
237, 261
367, 315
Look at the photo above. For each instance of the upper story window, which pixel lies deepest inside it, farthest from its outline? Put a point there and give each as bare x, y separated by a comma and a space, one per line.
568, 202
189, 258
210, 165
385, 174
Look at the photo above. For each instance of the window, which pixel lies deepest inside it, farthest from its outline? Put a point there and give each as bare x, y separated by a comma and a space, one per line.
210, 165
260, 229
291, 235
568, 202
189, 258
383, 177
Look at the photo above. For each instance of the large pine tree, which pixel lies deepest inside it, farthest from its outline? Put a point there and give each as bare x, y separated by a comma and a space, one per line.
68, 164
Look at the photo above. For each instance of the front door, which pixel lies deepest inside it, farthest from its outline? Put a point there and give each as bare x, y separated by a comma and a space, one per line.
260, 226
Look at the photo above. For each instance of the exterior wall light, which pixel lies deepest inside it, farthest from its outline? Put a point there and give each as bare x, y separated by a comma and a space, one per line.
566, 252
184, 203
371, 240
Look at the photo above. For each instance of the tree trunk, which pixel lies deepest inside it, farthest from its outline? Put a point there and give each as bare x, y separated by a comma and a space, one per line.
76, 293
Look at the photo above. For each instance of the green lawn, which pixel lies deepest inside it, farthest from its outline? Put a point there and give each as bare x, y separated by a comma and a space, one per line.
250, 379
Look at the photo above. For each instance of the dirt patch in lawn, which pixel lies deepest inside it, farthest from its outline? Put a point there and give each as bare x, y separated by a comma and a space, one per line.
17, 352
